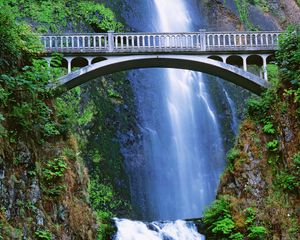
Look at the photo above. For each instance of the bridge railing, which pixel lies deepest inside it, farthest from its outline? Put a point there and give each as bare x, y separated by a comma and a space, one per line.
75, 42
160, 42
242, 39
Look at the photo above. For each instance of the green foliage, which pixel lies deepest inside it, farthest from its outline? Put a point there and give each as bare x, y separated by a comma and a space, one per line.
52, 173
50, 129
220, 223
54, 169
289, 178
17, 42
273, 145
258, 107
237, 236
55, 16
250, 215
218, 219
231, 156
273, 74
286, 181
43, 235
25, 98
87, 115
288, 56
263, 4
269, 128
106, 202
257, 232
242, 6
98, 16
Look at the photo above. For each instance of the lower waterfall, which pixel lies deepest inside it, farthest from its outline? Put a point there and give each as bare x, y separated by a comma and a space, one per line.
135, 230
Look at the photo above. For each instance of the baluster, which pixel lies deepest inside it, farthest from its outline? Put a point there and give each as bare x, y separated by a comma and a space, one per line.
234, 39
116, 41
89, 41
143, 41
198, 41
121, 39
127, 41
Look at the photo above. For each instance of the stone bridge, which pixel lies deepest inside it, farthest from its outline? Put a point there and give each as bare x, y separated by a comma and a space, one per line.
228, 55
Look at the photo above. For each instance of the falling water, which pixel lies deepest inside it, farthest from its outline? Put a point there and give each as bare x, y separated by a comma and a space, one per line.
175, 169
135, 230
234, 118
187, 154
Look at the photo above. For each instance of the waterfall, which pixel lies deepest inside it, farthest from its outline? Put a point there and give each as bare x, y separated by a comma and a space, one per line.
135, 230
175, 167
174, 171
234, 115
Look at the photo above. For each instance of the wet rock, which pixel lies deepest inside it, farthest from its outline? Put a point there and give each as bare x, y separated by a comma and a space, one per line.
39, 217
288, 134
24, 155
2, 174
61, 212
35, 193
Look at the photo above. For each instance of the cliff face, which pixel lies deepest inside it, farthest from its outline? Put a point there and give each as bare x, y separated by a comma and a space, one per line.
43, 190
246, 14
259, 194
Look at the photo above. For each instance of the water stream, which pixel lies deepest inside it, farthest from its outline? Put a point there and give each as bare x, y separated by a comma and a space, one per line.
176, 170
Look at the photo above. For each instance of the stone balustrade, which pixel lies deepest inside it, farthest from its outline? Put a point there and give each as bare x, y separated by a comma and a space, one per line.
201, 41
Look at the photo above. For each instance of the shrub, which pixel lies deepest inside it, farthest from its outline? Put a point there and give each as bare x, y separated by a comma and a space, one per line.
288, 56
43, 235
257, 232
54, 169
269, 128
273, 145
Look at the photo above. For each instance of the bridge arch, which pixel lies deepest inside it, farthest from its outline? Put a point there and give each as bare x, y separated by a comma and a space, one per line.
189, 62
216, 58
79, 62
235, 60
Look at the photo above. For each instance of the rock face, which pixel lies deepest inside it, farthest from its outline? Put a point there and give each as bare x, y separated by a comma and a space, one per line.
273, 15
265, 178
29, 205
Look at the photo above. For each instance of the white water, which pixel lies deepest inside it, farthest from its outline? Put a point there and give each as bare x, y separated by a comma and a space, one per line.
135, 230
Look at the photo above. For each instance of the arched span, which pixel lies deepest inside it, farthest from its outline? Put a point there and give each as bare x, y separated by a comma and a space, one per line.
190, 62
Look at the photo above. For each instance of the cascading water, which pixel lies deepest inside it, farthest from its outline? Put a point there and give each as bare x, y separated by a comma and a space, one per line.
182, 144
176, 171
135, 230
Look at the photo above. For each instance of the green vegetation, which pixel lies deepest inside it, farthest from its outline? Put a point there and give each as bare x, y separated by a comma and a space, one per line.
43, 235
58, 15
220, 223
242, 6
27, 111
269, 147
17, 42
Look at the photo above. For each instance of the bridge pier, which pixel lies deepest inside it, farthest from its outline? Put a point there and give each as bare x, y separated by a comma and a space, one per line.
245, 62
264, 57
69, 61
